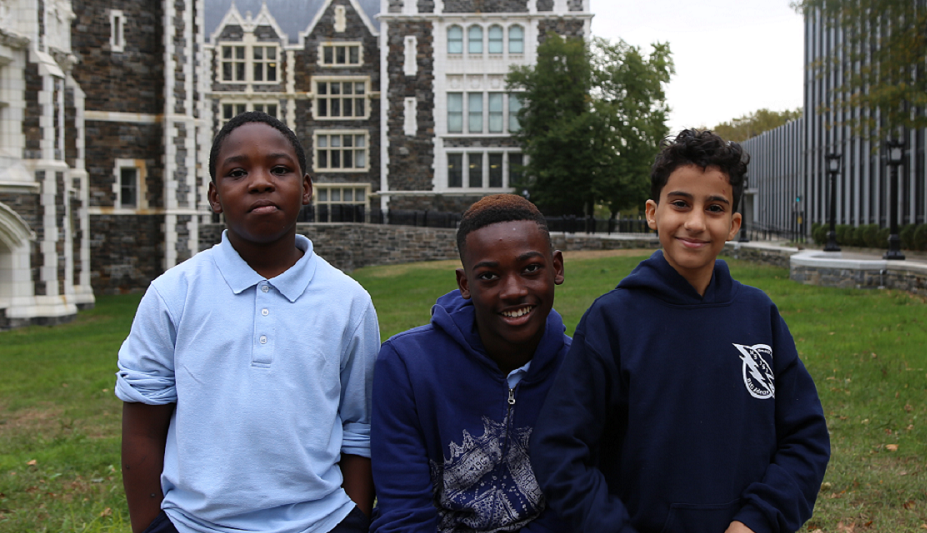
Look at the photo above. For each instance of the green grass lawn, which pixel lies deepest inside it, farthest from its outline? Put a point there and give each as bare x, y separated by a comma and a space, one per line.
60, 423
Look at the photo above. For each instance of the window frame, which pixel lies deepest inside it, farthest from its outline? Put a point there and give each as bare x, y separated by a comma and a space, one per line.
455, 40
337, 44
500, 41
459, 114
473, 115
328, 134
117, 36
341, 97
471, 40
235, 63
264, 63
463, 179
245, 106
520, 40
322, 196
139, 174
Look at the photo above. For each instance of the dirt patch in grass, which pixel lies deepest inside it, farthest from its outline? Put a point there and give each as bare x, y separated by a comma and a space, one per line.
44, 419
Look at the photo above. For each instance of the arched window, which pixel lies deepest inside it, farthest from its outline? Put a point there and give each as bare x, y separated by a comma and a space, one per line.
516, 40
455, 40
475, 40
495, 39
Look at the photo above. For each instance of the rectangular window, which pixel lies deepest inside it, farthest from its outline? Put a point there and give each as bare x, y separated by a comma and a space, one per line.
340, 203
514, 108
233, 63
516, 40
455, 40
231, 110
270, 109
265, 63
455, 170
475, 170
340, 151
495, 39
455, 112
495, 113
516, 174
475, 40
116, 30
475, 112
340, 99
341, 55
495, 170
128, 187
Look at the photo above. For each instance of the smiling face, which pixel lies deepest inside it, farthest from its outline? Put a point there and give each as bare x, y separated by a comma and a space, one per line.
694, 218
258, 186
509, 272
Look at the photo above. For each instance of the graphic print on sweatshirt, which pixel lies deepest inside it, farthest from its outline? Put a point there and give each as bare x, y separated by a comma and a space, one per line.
486, 484
758, 375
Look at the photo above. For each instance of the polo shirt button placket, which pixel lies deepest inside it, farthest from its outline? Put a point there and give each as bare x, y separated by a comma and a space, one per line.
264, 350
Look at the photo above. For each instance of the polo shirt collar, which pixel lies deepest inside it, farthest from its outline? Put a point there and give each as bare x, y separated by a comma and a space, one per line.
240, 276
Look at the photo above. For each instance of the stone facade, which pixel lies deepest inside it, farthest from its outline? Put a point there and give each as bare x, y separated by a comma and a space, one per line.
127, 252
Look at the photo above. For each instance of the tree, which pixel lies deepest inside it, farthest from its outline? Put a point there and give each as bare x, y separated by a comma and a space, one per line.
591, 122
749, 126
877, 63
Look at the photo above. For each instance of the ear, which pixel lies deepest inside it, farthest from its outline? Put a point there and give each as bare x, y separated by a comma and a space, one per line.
558, 267
213, 196
650, 209
736, 221
463, 284
307, 189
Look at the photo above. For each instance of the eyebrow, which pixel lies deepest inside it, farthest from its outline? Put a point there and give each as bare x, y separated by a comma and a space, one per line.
274, 155
713, 198
523, 257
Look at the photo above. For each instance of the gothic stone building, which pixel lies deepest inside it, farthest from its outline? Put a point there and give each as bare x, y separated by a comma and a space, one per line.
98, 134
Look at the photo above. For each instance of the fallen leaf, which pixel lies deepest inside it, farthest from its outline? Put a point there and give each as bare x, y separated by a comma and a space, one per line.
844, 528
31, 463
888, 431
908, 408
831, 333
891, 447
909, 505
106, 512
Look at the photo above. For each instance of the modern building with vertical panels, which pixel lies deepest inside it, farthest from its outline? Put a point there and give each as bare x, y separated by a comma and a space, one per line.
788, 171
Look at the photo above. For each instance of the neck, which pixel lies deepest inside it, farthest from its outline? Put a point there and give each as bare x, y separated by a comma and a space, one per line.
509, 357
270, 259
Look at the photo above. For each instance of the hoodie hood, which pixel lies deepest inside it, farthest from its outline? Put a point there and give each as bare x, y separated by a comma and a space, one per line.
656, 276
456, 316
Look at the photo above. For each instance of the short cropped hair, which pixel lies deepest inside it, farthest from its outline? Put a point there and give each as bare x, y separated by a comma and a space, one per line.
498, 208
702, 149
247, 118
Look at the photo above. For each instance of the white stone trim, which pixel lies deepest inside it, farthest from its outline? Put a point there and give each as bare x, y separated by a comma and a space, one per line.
117, 38
410, 122
116, 116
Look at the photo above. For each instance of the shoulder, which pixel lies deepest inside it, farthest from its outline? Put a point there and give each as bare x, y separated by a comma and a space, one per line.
197, 273
411, 344
337, 283
751, 296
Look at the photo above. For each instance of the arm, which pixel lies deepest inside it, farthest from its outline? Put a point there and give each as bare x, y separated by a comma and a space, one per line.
144, 433
784, 499
568, 434
401, 470
358, 481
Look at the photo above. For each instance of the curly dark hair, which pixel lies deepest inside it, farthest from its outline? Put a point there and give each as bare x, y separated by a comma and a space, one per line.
703, 149
246, 118
498, 208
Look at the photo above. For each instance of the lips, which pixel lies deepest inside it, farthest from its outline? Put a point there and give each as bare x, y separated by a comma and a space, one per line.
263, 206
691, 243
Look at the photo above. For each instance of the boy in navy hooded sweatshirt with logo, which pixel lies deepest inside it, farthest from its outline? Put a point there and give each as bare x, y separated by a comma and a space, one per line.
455, 401
682, 405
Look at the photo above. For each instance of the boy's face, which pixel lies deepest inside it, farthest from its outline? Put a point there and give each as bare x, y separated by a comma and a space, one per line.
694, 218
258, 185
509, 273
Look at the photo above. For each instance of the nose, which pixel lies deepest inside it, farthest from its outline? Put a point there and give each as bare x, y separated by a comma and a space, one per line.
262, 180
513, 288
695, 222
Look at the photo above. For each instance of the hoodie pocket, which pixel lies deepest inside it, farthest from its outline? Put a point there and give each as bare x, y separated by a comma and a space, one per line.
692, 518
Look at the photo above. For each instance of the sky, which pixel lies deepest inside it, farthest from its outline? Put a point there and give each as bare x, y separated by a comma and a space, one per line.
732, 57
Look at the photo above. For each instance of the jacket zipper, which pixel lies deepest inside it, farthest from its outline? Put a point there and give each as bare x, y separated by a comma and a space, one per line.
508, 419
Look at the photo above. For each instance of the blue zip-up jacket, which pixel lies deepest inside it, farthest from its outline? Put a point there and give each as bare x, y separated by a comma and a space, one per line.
675, 412
449, 439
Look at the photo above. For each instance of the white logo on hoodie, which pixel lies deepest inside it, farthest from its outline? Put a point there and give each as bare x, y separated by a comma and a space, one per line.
758, 376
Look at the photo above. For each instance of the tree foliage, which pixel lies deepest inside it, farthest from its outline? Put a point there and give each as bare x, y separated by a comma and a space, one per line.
760, 121
591, 122
877, 63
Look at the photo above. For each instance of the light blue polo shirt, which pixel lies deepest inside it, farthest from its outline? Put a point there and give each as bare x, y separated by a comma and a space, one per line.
272, 381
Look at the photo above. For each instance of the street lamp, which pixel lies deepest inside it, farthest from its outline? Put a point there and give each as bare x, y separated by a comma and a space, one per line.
895, 156
833, 168
743, 214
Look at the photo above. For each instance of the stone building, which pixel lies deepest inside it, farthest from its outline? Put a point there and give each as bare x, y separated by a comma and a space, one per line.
99, 192
401, 104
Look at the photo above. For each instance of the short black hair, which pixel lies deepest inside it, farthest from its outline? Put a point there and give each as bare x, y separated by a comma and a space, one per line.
246, 118
703, 149
498, 208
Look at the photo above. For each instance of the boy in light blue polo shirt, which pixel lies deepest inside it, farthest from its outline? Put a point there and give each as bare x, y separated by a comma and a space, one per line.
247, 373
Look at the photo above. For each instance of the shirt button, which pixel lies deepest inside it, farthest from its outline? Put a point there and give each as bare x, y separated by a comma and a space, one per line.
265, 312
263, 339
265, 288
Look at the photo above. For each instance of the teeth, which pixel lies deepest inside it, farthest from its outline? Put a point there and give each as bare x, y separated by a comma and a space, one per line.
520, 312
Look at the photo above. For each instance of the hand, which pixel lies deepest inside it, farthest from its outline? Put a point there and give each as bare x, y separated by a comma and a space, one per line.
738, 527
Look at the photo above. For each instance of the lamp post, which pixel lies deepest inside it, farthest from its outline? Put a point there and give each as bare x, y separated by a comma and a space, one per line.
833, 168
895, 156
743, 214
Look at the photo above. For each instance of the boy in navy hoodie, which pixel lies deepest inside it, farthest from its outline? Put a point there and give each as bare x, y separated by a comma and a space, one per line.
682, 405
454, 402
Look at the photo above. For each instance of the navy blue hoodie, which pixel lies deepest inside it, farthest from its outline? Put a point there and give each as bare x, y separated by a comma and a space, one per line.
449, 439
675, 412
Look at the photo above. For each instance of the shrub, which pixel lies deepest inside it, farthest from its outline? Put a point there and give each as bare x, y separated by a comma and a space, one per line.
819, 234
920, 237
845, 234
871, 235
906, 232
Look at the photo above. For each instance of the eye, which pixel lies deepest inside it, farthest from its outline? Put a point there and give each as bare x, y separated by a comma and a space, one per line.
679, 204
486, 276
716, 208
236, 173
532, 268
280, 170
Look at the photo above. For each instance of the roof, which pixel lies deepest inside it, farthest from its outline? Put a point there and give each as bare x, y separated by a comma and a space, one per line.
292, 16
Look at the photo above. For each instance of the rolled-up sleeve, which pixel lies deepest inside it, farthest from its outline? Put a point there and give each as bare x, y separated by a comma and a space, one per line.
146, 358
356, 383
